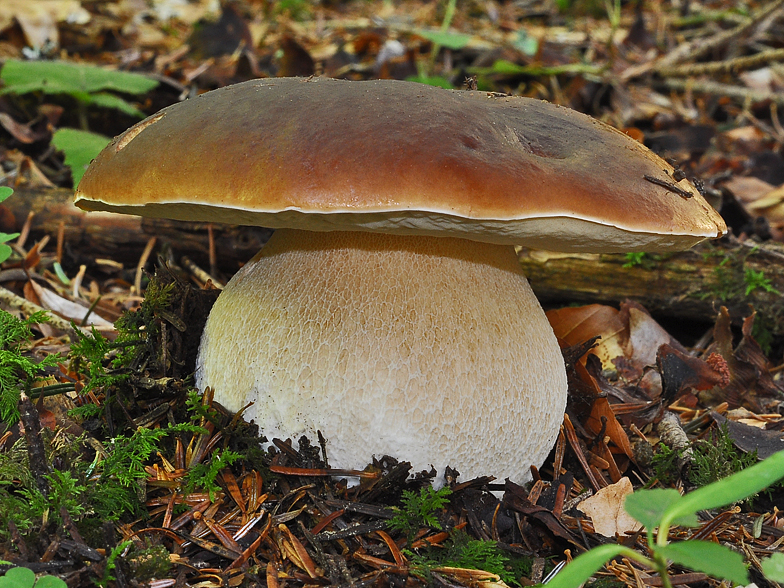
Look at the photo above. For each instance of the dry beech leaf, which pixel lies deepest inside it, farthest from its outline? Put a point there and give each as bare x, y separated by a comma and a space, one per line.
645, 337
601, 409
576, 325
606, 510
65, 307
748, 189
771, 205
38, 19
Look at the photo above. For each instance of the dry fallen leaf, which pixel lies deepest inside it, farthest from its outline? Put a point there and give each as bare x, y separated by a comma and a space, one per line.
38, 19
577, 325
606, 510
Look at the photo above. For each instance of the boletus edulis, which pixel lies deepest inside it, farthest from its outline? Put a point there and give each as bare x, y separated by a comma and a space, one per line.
388, 310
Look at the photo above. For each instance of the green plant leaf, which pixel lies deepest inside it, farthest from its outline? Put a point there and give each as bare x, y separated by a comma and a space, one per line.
773, 567
80, 148
445, 38
105, 100
648, 507
60, 77
526, 44
50, 582
5, 250
436, 81
586, 565
711, 558
5, 192
506, 67
18, 578
731, 489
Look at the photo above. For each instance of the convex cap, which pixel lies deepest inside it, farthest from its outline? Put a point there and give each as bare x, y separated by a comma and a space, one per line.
402, 158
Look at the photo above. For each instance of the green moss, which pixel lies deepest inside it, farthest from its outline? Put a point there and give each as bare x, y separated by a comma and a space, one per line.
717, 458
461, 551
149, 564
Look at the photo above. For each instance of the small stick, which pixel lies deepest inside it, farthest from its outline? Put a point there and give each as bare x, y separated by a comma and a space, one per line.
719, 89
25, 232
736, 65
11, 300
137, 283
703, 47
199, 273
571, 436
60, 241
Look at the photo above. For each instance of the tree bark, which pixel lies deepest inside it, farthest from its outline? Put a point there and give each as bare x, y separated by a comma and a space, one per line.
122, 237
692, 284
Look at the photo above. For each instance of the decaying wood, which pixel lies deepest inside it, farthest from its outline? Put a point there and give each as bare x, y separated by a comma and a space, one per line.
693, 284
123, 237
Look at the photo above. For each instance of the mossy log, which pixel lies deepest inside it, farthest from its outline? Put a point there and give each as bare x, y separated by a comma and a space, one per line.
123, 237
691, 285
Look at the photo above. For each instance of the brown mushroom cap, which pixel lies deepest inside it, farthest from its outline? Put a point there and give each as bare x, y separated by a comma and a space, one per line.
401, 158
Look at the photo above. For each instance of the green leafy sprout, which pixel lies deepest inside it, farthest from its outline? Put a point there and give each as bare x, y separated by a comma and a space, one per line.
90, 86
634, 258
756, 280
203, 475
25, 578
5, 250
663, 508
111, 563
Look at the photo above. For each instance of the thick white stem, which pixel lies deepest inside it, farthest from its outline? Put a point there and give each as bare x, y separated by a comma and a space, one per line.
431, 350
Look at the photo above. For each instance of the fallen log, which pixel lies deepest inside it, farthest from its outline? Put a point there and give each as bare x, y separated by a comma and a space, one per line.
123, 237
691, 285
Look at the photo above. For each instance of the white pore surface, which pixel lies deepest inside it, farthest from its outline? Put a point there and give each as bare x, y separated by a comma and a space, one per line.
430, 350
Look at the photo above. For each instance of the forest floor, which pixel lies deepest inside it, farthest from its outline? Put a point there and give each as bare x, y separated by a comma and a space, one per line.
114, 472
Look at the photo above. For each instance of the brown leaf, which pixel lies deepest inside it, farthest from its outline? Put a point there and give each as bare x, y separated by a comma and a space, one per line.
606, 510
602, 412
680, 371
576, 325
748, 438
20, 132
296, 61
751, 384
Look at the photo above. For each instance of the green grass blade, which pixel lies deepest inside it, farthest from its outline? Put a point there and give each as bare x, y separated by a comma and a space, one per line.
445, 38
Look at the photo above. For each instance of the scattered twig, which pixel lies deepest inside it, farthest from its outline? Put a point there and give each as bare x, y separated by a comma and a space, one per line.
11, 300
728, 66
199, 273
719, 89
702, 47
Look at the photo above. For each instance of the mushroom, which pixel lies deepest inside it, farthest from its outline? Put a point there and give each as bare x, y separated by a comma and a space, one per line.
388, 311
